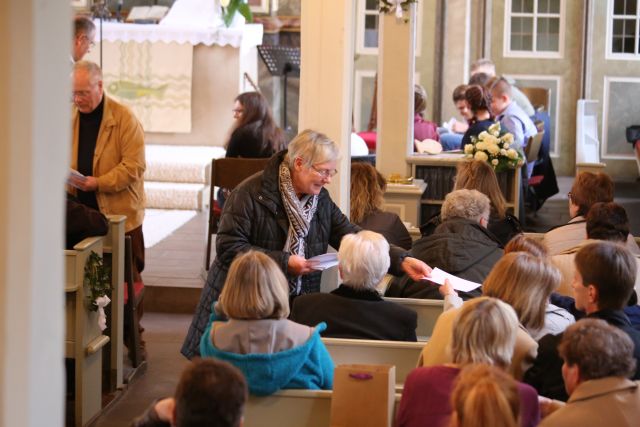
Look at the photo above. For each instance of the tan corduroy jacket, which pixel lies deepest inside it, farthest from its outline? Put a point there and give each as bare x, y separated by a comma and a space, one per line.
437, 351
610, 401
118, 162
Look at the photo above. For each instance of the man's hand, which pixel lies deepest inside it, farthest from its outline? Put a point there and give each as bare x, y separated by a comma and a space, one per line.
548, 406
89, 183
299, 265
416, 269
164, 408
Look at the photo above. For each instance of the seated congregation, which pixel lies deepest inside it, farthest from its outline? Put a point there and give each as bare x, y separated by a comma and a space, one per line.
516, 334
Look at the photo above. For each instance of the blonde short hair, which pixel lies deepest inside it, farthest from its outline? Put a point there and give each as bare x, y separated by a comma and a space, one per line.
526, 283
313, 148
484, 331
255, 289
363, 259
468, 204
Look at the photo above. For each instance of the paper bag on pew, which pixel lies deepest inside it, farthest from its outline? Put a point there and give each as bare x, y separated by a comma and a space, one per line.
363, 395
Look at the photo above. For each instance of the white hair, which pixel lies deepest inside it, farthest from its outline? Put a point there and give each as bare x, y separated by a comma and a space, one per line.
312, 147
363, 259
468, 204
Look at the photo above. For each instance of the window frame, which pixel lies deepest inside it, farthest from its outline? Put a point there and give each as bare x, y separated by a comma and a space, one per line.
609, 53
508, 14
361, 49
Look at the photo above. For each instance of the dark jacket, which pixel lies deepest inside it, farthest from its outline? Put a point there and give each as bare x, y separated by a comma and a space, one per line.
546, 373
82, 222
390, 226
504, 229
475, 129
355, 313
254, 218
458, 246
246, 142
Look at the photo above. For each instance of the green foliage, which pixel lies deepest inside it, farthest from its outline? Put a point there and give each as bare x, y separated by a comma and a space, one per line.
98, 278
238, 6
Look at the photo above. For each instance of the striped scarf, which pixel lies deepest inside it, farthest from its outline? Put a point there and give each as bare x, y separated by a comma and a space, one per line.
299, 213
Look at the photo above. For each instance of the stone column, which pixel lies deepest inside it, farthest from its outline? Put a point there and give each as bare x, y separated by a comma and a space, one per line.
396, 67
326, 80
35, 44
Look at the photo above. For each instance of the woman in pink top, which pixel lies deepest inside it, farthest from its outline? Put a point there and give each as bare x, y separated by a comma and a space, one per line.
422, 129
484, 332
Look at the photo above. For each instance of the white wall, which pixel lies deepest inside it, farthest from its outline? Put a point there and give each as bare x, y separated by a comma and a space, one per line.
34, 133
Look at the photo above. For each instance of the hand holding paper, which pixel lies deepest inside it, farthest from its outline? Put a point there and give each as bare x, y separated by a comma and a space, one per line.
438, 276
324, 261
76, 179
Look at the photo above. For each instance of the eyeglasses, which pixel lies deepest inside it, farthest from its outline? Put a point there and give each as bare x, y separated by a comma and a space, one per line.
237, 111
91, 42
325, 173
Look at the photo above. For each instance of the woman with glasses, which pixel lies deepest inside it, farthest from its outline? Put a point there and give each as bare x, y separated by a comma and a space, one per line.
285, 212
255, 134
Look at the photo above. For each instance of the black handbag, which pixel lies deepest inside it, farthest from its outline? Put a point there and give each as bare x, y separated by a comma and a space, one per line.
633, 133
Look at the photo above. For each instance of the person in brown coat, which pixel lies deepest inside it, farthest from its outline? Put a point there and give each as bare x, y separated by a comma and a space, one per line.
598, 359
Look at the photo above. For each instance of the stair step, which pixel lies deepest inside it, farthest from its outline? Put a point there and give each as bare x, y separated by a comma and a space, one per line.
178, 163
171, 195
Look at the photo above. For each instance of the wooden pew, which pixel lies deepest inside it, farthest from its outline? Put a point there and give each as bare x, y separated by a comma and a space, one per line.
293, 408
114, 255
404, 355
83, 339
428, 311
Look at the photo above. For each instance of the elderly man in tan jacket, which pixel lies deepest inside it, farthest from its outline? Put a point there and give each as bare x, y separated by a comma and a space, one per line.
108, 149
598, 361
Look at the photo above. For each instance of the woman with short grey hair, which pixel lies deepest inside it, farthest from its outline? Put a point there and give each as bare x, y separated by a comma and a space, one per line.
355, 309
285, 212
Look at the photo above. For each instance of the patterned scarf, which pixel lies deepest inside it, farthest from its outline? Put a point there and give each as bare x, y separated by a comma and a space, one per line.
300, 213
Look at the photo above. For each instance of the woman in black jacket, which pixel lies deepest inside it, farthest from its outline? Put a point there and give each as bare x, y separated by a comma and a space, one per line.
285, 212
255, 134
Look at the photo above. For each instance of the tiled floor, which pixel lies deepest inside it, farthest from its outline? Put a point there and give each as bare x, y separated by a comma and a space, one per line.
177, 262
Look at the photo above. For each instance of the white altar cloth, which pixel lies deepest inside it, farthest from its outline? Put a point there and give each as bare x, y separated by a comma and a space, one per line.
248, 35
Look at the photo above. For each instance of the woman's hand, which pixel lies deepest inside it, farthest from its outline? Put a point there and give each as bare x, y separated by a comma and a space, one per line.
416, 269
298, 265
447, 289
165, 408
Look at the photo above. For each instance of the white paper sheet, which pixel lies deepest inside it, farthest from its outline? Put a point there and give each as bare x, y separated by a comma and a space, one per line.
324, 261
438, 276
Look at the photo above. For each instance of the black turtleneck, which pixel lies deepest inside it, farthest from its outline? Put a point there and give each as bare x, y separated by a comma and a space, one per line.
87, 137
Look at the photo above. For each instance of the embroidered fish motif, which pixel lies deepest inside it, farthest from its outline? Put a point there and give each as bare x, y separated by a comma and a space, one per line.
130, 90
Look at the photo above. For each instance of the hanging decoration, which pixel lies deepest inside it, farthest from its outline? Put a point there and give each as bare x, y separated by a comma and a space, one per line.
396, 6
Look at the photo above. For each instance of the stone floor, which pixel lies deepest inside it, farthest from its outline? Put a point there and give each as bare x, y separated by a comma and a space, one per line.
177, 263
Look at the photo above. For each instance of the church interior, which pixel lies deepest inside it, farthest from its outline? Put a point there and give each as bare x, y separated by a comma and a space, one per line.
389, 86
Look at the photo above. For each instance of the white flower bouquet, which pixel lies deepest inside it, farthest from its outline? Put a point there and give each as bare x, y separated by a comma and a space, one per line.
495, 147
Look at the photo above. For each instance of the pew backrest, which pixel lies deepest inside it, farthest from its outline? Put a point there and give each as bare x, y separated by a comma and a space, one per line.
292, 408
428, 311
403, 355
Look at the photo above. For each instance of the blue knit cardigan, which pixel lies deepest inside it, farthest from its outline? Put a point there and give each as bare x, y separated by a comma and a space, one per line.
308, 366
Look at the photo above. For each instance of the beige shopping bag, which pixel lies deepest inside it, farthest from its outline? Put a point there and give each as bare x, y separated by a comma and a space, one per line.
363, 395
